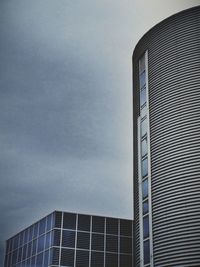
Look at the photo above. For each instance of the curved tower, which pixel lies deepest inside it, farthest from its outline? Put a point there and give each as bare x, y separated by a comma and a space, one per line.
166, 100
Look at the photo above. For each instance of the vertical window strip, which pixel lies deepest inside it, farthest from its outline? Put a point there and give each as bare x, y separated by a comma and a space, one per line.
144, 165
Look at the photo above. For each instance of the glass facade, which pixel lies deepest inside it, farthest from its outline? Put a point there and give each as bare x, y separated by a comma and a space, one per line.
72, 240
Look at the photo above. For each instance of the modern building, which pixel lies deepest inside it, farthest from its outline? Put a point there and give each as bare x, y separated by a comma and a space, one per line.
166, 102
72, 240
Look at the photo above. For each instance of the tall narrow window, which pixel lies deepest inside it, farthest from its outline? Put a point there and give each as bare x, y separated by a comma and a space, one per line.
144, 163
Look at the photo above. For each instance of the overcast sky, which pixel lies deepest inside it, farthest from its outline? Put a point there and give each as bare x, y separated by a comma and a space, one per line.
65, 105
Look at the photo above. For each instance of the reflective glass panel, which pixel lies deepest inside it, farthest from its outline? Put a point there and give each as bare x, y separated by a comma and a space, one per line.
42, 225
24, 252
97, 259
143, 111
143, 97
83, 240
31, 233
142, 79
69, 221
48, 240
26, 236
29, 249
98, 242
19, 254
82, 258
144, 147
68, 239
125, 260
144, 127
98, 224
14, 257
49, 221
111, 243
111, 226
111, 260
146, 252
144, 167
145, 207
40, 244
142, 64
35, 232
55, 256
46, 258
33, 262
58, 219
125, 227
39, 260
84, 222
125, 244
146, 226
145, 188
67, 257
56, 238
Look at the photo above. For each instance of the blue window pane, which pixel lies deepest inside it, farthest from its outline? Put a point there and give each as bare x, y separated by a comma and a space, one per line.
16, 241
39, 260
144, 127
146, 226
143, 97
49, 222
40, 244
144, 167
34, 247
142, 79
146, 252
21, 239
144, 147
19, 254
35, 232
46, 258
145, 188
145, 207
14, 257
31, 233
48, 240
26, 236
24, 252
33, 262
29, 249
42, 225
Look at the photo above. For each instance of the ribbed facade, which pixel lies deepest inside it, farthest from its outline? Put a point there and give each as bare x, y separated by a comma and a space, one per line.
174, 116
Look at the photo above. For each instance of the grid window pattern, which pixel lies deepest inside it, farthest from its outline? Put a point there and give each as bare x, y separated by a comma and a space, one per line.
72, 240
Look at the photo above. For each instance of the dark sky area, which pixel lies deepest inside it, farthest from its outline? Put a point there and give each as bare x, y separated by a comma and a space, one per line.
66, 105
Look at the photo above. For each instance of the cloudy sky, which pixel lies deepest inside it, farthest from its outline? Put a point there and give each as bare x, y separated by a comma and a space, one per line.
65, 105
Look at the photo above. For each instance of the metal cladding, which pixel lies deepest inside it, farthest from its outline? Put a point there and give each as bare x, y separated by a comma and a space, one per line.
174, 111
